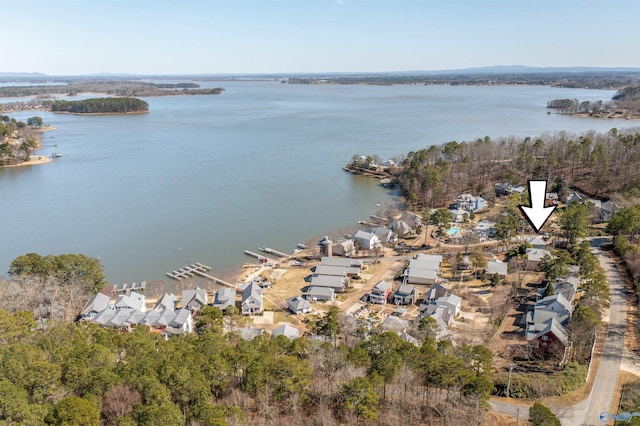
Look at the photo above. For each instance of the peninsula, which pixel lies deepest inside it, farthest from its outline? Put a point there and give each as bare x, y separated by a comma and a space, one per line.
100, 106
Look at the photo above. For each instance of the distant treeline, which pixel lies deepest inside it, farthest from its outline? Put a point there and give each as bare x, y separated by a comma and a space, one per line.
600, 164
118, 88
101, 106
625, 103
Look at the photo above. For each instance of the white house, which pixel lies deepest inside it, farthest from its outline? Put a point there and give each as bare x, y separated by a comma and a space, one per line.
251, 300
96, 304
195, 299
224, 298
167, 301
497, 267
367, 240
297, 305
131, 301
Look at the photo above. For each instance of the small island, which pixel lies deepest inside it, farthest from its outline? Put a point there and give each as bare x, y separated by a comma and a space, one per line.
101, 106
624, 104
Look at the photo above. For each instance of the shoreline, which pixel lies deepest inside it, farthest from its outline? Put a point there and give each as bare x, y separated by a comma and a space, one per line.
33, 161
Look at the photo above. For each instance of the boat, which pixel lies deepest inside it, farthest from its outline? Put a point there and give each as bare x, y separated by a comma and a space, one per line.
302, 246
56, 155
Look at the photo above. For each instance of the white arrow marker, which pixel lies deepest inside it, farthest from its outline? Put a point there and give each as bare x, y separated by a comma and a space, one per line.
537, 214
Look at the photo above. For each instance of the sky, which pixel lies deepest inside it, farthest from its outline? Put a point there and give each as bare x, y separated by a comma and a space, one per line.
72, 37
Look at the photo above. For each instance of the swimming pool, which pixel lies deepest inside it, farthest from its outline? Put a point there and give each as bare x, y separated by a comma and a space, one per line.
453, 231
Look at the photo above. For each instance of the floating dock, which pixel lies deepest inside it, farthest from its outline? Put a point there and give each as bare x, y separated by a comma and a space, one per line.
196, 269
260, 257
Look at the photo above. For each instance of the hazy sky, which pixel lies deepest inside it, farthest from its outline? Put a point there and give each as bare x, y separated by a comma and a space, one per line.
285, 36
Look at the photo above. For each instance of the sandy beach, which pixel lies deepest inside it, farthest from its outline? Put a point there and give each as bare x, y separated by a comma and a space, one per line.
33, 160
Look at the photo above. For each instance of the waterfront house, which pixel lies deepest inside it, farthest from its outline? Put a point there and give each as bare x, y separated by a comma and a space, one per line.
400, 227
413, 220
326, 248
337, 261
385, 235
344, 248
132, 300
338, 284
316, 294
195, 299
224, 298
287, 331
96, 304
367, 240
297, 305
252, 300
405, 295
380, 292
167, 301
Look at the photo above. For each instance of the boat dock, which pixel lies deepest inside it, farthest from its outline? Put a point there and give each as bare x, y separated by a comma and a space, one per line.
260, 257
273, 251
199, 270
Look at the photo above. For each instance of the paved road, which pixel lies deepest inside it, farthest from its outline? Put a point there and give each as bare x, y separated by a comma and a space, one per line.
600, 399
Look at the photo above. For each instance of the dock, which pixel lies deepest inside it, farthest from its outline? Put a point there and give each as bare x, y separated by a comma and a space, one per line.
196, 269
273, 251
260, 257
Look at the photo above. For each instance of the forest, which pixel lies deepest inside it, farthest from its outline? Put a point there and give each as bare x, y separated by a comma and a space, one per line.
599, 164
624, 104
101, 106
18, 139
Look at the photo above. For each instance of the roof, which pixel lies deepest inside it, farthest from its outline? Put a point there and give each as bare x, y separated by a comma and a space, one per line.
537, 254
497, 267
383, 286
329, 281
320, 291
433, 265
550, 300
451, 299
97, 303
436, 291
252, 291
168, 300
336, 270
405, 289
429, 257
286, 330
297, 303
393, 323
249, 333
198, 294
340, 261
551, 325
133, 300
422, 273
225, 295
364, 235
536, 241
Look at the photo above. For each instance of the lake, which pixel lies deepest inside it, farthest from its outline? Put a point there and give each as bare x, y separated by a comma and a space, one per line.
203, 178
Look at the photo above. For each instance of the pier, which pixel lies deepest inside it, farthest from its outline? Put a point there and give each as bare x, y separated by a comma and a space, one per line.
260, 257
273, 251
196, 269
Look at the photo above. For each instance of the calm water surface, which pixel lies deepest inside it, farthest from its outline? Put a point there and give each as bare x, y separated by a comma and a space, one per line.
202, 178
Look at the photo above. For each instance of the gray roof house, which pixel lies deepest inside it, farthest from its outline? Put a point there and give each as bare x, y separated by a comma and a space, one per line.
224, 298
194, 300
320, 293
167, 301
132, 300
340, 271
400, 227
287, 331
556, 305
405, 295
344, 248
420, 276
367, 240
380, 292
385, 235
436, 291
297, 305
249, 333
338, 261
497, 267
96, 304
537, 242
338, 284
411, 219
252, 300
536, 255
393, 323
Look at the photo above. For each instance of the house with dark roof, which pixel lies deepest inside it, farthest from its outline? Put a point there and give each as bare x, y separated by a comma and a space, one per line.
405, 295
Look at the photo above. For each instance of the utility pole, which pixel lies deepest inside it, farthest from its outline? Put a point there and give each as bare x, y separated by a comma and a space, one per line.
509, 379
517, 415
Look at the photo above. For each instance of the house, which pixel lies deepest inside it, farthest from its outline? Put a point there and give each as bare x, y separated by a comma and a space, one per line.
548, 335
497, 267
338, 271
420, 276
336, 261
413, 220
556, 306
251, 300
167, 301
567, 287
287, 331
458, 215
345, 248
194, 300
429, 257
505, 188
297, 305
249, 333
537, 242
393, 323
551, 198
536, 255
400, 227
450, 301
436, 291
326, 246
446, 307
574, 197
485, 229
385, 235
469, 202
132, 300
405, 295
608, 210
96, 304
320, 294
224, 298
380, 292
367, 240
337, 283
